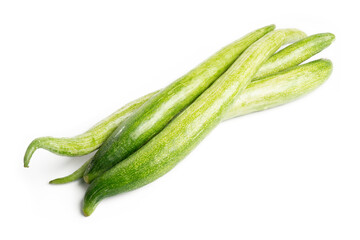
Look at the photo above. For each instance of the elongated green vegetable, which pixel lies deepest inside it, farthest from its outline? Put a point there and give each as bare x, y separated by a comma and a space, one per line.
280, 88
72, 177
93, 138
197, 81
90, 140
186, 131
295, 54
263, 94
158, 111
302, 49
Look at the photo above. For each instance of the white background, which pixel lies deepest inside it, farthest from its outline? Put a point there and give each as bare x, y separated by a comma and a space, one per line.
292, 172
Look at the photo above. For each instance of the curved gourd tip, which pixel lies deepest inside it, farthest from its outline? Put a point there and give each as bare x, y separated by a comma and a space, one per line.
63, 180
330, 36
88, 210
321, 63
326, 38
78, 174
56, 181
86, 214
271, 27
293, 35
326, 67
267, 28
91, 200
301, 34
327, 62
34, 145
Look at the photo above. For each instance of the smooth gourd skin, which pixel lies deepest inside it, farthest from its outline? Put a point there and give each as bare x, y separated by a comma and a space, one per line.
156, 113
93, 138
187, 130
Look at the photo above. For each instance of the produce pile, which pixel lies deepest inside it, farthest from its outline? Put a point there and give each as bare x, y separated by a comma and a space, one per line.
146, 138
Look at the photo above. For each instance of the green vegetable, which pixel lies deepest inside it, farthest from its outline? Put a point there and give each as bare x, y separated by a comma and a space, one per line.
281, 88
159, 110
263, 94
186, 131
90, 140
93, 138
197, 81
295, 54
74, 176
155, 113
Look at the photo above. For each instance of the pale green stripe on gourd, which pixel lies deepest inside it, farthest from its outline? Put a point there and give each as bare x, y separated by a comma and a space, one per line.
159, 110
185, 131
280, 88
269, 92
184, 89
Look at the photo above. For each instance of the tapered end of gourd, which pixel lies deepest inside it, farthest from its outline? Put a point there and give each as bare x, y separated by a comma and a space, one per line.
267, 28
34, 145
331, 37
270, 27
92, 198
56, 181
88, 208
323, 40
87, 212
62, 180
327, 67
67, 179
78, 174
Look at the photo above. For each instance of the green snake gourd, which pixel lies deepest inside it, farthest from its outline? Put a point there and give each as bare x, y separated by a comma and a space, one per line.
185, 132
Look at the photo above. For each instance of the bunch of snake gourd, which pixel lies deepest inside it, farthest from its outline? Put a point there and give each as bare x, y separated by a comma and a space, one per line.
146, 138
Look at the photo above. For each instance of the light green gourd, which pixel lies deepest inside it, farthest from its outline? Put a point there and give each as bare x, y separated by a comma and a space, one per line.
268, 92
93, 138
